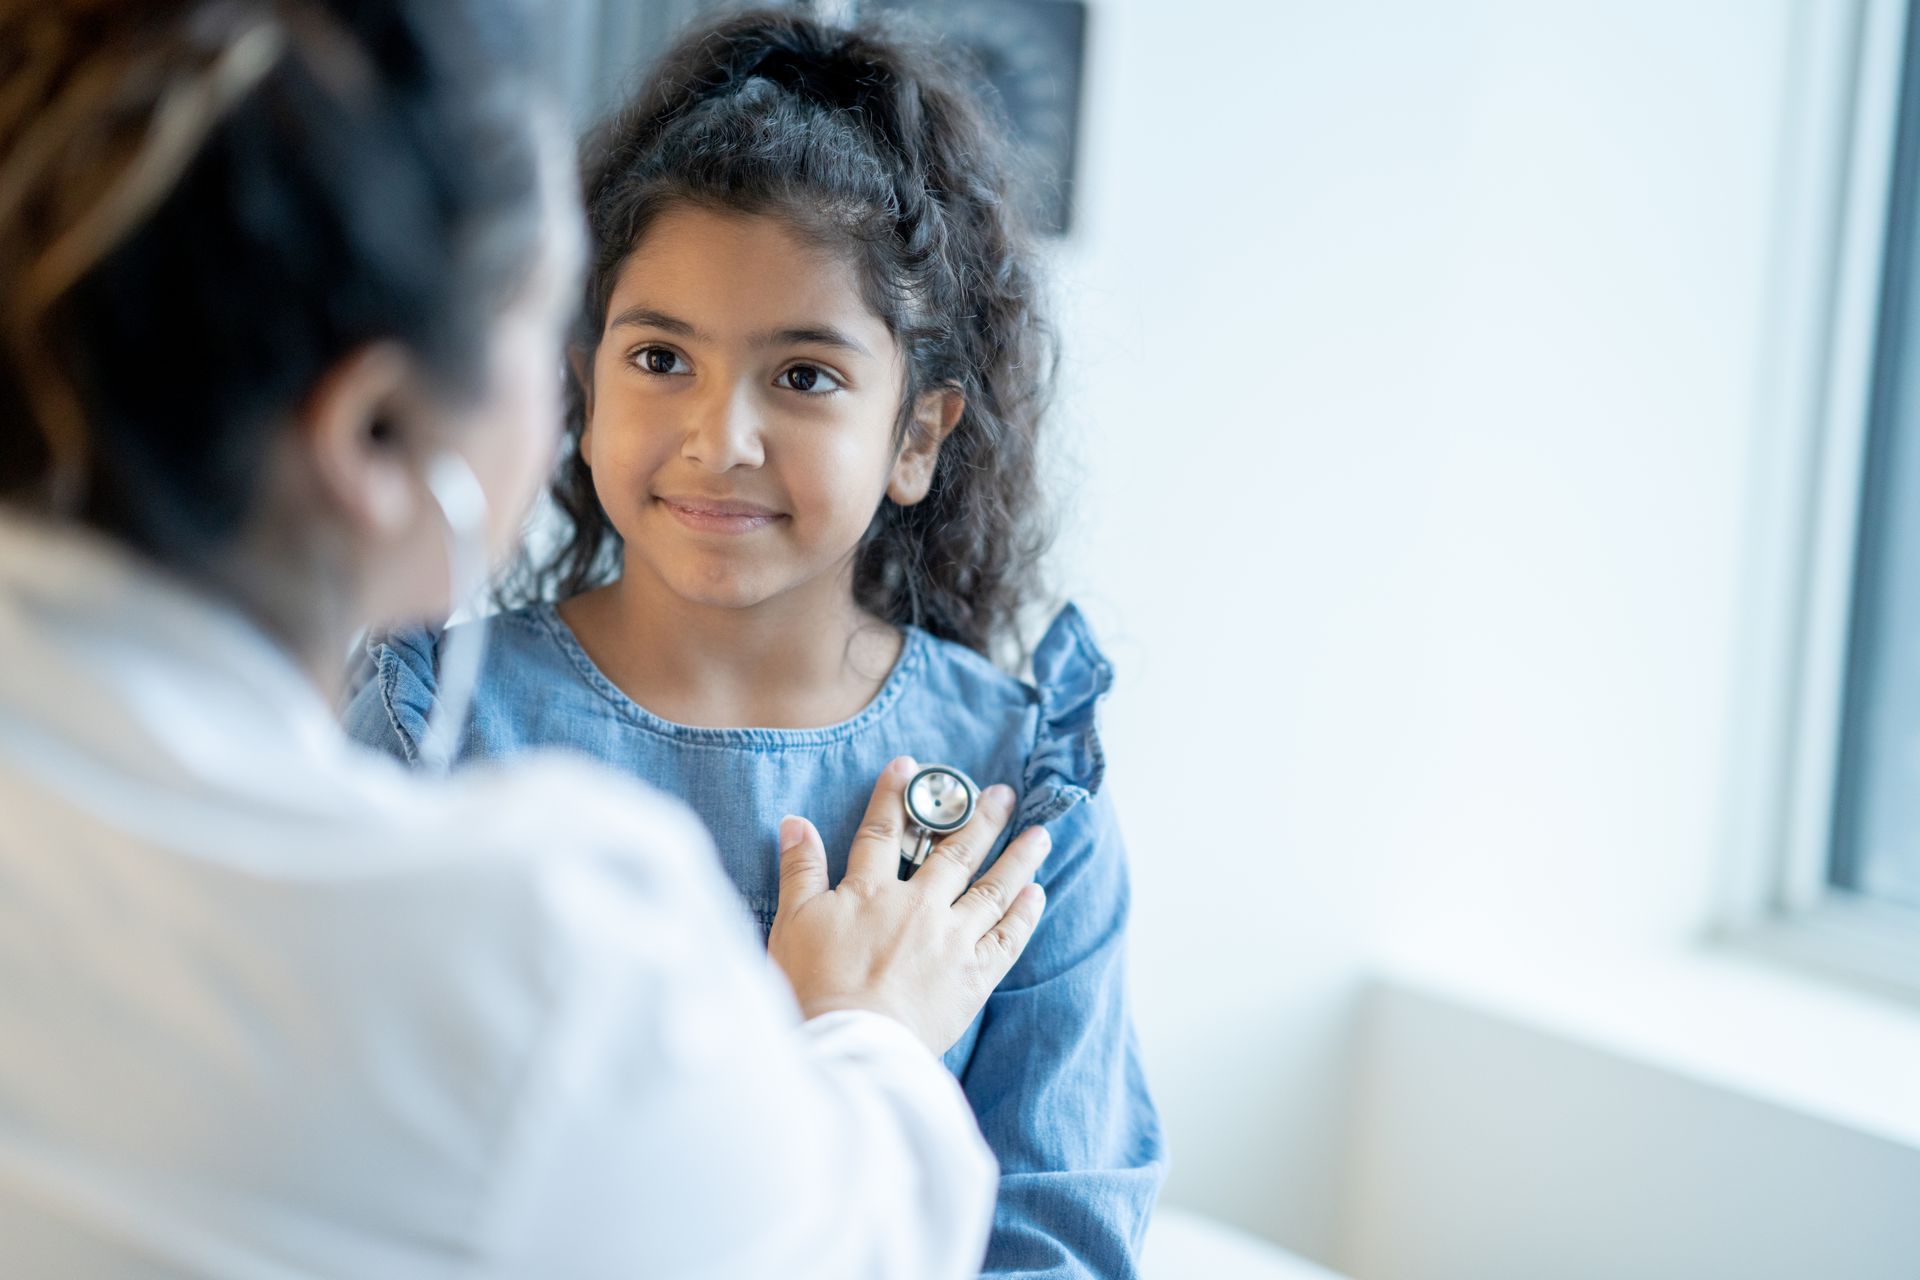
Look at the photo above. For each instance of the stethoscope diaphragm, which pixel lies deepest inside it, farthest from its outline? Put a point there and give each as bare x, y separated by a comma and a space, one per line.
939, 800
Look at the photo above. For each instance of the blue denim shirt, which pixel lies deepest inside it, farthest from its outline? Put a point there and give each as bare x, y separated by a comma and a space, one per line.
1051, 1065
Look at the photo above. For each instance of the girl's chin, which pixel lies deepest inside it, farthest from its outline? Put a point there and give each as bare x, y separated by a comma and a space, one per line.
723, 586
733, 576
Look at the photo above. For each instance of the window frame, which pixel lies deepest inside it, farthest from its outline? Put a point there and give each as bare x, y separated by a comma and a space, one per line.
1815, 405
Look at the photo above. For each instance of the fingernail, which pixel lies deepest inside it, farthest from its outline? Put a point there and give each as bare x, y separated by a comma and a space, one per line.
999, 795
902, 767
1044, 840
792, 832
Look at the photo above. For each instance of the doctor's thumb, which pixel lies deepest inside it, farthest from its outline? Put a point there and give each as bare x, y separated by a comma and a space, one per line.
803, 863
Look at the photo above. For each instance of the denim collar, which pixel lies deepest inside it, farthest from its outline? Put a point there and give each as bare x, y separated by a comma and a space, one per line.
906, 669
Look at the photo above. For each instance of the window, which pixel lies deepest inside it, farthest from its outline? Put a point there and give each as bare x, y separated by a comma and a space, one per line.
1875, 842
1826, 817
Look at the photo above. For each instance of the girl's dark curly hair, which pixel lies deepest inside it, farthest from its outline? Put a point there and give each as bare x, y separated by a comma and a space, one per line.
873, 144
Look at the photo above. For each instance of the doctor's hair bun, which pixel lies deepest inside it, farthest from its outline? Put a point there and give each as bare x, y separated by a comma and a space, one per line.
206, 205
873, 144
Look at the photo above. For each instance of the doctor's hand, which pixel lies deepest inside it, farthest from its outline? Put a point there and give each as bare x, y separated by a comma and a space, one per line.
926, 951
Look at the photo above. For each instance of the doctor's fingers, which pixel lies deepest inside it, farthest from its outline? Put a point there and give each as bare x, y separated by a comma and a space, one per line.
951, 863
875, 856
1001, 946
1005, 900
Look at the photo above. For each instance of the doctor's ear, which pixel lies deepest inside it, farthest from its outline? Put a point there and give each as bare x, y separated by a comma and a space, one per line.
353, 431
935, 414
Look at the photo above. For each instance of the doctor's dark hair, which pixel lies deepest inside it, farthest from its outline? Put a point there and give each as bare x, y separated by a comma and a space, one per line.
874, 146
206, 204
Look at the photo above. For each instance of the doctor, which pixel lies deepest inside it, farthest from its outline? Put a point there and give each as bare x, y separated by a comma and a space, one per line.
281, 289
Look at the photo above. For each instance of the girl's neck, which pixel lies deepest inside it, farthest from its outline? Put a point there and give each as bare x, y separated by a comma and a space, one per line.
804, 659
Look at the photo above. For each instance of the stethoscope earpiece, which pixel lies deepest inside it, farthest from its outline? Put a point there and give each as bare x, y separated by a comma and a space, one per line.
939, 800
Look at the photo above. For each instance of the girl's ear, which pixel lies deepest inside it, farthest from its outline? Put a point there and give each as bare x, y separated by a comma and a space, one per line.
935, 414
581, 361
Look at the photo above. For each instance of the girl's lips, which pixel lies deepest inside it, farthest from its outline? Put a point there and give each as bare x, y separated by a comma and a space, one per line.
708, 515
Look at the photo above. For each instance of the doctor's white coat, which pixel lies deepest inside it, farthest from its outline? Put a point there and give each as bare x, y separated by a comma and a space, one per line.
272, 1007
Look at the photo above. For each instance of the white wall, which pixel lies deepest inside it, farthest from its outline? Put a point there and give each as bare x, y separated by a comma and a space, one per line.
1250, 279
1413, 350
1513, 1154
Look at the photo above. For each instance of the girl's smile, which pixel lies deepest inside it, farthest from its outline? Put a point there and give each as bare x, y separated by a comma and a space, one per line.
718, 515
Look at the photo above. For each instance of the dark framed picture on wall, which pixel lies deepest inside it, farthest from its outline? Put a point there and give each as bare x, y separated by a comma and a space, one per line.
1031, 56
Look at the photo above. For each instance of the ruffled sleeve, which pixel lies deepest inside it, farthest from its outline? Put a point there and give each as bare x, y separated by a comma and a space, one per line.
1071, 676
391, 711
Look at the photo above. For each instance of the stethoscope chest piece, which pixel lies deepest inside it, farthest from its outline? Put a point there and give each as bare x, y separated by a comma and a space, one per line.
940, 800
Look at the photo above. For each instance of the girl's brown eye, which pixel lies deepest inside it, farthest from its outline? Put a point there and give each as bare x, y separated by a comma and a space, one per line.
810, 380
660, 361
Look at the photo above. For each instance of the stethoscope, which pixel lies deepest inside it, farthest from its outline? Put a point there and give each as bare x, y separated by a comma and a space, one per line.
461, 652
940, 800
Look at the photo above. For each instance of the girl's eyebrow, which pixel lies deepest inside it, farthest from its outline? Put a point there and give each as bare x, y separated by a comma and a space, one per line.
648, 318
810, 334
818, 335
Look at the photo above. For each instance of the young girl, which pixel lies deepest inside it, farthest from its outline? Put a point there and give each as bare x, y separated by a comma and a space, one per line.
803, 509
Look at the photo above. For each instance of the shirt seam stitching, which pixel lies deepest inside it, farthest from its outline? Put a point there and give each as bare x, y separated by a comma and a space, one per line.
906, 672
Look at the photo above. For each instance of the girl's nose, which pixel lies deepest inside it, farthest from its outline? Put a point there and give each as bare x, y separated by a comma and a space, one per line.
724, 433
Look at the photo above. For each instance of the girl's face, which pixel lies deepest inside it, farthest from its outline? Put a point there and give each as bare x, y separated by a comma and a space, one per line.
742, 406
